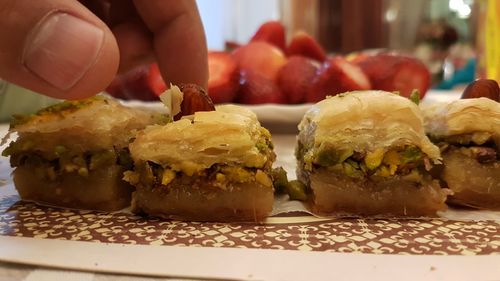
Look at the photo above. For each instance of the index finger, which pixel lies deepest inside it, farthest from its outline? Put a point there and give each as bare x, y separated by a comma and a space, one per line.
179, 39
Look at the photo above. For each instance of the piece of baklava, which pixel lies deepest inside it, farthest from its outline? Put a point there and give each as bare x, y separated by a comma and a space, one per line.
73, 154
210, 166
468, 134
366, 153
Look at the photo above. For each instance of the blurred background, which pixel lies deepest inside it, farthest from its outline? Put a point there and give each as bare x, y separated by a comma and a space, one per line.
338, 42
442, 33
341, 25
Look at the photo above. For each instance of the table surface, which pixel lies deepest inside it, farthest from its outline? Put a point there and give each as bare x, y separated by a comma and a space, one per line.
12, 271
20, 272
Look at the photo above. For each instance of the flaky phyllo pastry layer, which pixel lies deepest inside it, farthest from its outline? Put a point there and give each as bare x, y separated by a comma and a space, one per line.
479, 118
367, 153
212, 165
89, 124
230, 135
73, 154
363, 121
468, 134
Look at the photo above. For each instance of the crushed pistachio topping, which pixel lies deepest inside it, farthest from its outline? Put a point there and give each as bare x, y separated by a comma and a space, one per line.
64, 161
151, 175
331, 156
415, 96
63, 108
378, 163
295, 189
167, 176
373, 159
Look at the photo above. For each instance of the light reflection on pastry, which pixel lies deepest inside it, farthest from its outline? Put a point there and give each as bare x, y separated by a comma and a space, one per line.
73, 154
468, 134
210, 166
366, 153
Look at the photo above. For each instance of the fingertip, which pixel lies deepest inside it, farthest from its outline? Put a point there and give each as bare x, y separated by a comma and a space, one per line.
67, 53
179, 40
100, 73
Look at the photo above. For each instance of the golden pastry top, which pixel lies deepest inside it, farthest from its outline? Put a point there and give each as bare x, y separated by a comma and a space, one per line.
94, 123
463, 116
229, 135
365, 121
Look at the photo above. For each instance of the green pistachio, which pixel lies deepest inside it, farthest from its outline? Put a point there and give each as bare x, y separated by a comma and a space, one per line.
373, 159
102, 159
10, 150
60, 150
351, 171
84, 172
296, 190
415, 96
383, 171
330, 157
280, 179
411, 154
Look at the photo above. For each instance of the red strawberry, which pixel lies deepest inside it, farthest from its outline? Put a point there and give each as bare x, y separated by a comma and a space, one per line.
142, 83
296, 76
223, 81
115, 89
257, 89
392, 72
303, 44
155, 80
337, 76
356, 57
272, 32
260, 57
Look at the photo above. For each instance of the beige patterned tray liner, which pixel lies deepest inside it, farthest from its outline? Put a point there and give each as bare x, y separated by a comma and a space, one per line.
443, 236
377, 236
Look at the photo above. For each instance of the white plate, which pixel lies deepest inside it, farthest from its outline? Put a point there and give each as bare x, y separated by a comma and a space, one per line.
281, 118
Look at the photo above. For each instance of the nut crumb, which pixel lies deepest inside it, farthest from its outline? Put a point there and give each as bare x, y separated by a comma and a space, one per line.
194, 99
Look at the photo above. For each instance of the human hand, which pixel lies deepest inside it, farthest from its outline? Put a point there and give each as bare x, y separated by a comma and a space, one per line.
72, 49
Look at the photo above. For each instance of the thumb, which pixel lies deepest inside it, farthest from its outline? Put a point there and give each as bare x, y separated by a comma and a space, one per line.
56, 47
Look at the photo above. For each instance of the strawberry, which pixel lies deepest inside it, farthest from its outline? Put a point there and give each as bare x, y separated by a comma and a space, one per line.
142, 83
257, 89
296, 76
303, 44
155, 80
272, 32
260, 57
356, 57
336, 76
223, 78
394, 72
115, 88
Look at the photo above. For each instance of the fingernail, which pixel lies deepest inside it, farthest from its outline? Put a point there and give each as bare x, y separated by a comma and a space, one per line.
61, 49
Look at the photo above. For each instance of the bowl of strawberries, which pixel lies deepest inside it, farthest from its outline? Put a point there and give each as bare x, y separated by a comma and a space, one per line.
279, 78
